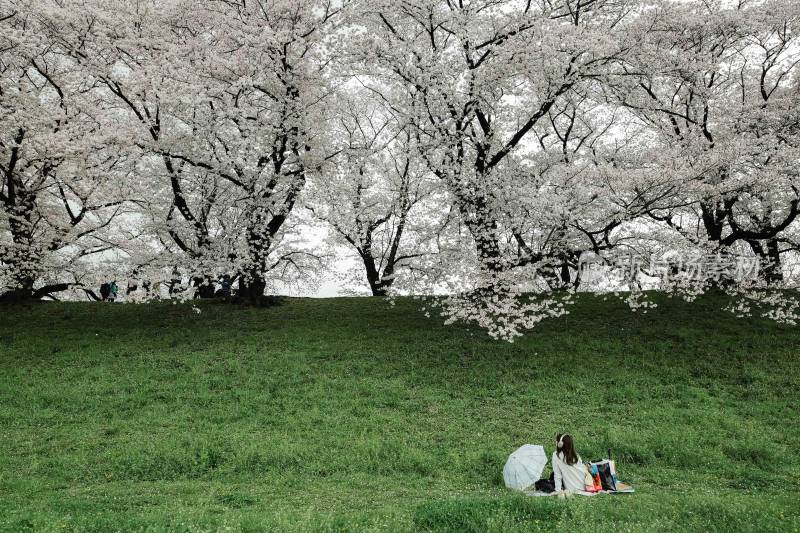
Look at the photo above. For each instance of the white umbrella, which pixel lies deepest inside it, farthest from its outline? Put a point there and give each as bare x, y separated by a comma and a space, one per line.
524, 466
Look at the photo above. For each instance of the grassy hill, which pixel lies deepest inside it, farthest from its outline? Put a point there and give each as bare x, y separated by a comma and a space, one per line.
349, 414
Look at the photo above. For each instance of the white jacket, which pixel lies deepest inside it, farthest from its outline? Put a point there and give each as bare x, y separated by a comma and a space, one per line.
568, 477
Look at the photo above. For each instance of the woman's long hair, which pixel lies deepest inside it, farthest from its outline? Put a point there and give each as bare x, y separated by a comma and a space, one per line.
566, 449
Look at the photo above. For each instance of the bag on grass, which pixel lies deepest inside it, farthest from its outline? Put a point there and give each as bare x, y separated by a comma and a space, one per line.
607, 472
546, 485
588, 480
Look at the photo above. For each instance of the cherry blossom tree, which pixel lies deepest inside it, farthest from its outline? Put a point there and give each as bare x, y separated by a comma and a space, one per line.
718, 82
227, 100
368, 196
481, 76
474, 79
63, 182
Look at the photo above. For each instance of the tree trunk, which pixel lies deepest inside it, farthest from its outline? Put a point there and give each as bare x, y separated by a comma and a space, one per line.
487, 242
378, 289
24, 256
24, 275
376, 284
16, 295
252, 287
774, 268
565, 276
771, 271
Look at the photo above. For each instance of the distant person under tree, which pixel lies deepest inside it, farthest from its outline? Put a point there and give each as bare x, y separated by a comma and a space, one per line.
105, 291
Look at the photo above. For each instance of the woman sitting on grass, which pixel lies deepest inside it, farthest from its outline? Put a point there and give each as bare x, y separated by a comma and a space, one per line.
569, 472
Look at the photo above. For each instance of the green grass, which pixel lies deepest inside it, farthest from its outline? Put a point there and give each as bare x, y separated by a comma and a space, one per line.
349, 414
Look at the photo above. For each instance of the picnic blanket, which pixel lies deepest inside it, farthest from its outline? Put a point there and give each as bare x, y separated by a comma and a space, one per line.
622, 488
